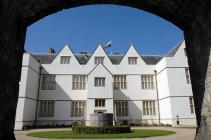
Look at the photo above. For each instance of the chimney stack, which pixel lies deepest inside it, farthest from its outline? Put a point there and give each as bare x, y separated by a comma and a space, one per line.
83, 53
51, 50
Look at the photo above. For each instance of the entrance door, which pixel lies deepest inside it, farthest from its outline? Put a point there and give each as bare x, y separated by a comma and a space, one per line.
100, 111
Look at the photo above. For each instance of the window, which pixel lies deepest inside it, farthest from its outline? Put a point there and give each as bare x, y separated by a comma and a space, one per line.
185, 52
78, 82
46, 109
147, 81
121, 108
191, 105
65, 60
132, 60
99, 60
120, 82
187, 75
100, 103
78, 108
48, 82
149, 107
99, 81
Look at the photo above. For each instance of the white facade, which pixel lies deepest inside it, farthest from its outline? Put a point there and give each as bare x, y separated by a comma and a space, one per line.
144, 89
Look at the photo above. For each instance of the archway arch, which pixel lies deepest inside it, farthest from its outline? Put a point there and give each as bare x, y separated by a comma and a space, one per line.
169, 11
191, 17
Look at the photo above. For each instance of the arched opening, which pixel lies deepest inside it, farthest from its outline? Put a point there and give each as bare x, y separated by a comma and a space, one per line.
124, 26
120, 24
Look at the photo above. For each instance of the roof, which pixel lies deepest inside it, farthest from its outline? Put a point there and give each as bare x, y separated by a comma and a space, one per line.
115, 59
174, 50
45, 58
84, 58
151, 60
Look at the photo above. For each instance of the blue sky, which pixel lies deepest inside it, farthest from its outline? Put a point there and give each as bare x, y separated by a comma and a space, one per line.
83, 28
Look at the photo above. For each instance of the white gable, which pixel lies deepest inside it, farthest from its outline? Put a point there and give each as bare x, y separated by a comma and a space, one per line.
181, 50
100, 92
100, 70
99, 52
177, 56
66, 51
131, 52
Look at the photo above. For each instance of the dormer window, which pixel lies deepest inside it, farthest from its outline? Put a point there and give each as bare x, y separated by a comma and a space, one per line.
99, 60
132, 60
65, 60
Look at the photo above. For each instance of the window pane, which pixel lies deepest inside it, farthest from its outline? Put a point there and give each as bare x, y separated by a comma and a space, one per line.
65, 60
132, 60
99, 60
192, 105
99, 81
99, 102
48, 82
78, 82
46, 109
119, 82
187, 75
147, 82
121, 108
149, 107
78, 109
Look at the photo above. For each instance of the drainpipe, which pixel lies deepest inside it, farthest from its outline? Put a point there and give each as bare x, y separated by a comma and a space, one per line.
157, 96
114, 113
38, 94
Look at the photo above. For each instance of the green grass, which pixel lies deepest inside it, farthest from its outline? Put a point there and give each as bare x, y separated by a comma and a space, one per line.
138, 133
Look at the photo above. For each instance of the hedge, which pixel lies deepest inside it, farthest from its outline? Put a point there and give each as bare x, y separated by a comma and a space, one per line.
100, 130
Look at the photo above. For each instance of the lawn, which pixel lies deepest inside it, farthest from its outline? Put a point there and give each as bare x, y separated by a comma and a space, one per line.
138, 133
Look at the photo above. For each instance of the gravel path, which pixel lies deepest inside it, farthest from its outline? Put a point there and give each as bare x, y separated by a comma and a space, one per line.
181, 134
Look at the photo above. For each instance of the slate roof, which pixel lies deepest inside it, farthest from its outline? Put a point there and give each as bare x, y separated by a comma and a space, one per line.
44, 58
83, 59
174, 50
151, 60
115, 59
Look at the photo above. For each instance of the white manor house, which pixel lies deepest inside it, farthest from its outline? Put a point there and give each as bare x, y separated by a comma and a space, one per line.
63, 88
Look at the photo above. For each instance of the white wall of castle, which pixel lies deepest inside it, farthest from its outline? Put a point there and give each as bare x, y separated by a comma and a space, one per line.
173, 90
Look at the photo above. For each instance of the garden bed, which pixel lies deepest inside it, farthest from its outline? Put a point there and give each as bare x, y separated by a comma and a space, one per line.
100, 130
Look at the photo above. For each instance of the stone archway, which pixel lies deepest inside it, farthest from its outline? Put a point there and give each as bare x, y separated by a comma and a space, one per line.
193, 17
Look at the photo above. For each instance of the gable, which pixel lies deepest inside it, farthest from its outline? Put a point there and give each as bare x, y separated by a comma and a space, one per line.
99, 69
177, 49
66, 51
99, 52
131, 52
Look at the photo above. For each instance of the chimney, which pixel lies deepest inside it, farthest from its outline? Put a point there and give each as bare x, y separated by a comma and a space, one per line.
51, 50
83, 53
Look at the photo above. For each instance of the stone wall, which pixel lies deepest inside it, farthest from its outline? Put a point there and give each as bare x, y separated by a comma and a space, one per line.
101, 119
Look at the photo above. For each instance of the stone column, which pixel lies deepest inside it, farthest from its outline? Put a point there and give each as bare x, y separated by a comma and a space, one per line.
12, 37
198, 42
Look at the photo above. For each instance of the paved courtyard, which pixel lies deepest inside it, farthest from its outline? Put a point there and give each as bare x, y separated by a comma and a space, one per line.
181, 134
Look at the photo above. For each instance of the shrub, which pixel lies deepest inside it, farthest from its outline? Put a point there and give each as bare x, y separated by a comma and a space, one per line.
75, 123
100, 130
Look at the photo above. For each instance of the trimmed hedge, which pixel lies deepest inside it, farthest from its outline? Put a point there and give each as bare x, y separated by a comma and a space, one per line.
100, 130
